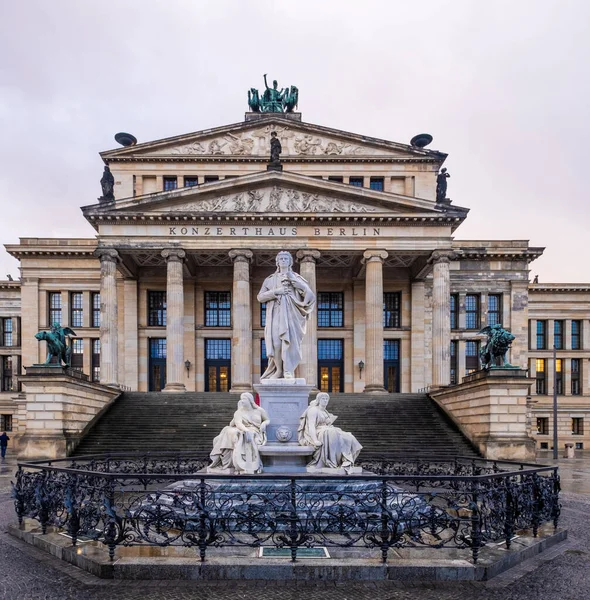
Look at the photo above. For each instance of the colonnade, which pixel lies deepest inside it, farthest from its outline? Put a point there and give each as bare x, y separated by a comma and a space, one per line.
241, 355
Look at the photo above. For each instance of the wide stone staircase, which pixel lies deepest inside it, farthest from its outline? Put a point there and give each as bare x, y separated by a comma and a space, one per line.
404, 425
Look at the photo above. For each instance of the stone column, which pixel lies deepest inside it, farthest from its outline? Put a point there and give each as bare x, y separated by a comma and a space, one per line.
241, 352
109, 258
373, 260
417, 335
441, 317
174, 319
308, 369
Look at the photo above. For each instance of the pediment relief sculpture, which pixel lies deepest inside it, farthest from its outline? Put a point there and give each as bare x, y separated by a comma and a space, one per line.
256, 142
274, 200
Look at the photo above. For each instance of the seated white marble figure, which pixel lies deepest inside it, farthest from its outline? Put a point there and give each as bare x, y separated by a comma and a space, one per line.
235, 449
335, 449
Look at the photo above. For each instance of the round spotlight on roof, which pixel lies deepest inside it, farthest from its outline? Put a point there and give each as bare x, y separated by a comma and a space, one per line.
125, 139
421, 140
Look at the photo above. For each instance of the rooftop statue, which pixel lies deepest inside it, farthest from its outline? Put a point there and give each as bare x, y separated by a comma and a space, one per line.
441, 186
107, 183
493, 352
275, 149
273, 99
57, 343
289, 302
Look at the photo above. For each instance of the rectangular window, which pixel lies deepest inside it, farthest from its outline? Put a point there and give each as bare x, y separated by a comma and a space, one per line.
263, 357
577, 426
76, 309
391, 350
263, 314
6, 338
454, 374
95, 360
541, 376
392, 312
543, 425
376, 183
330, 309
54, 308
6, 374
471, 356
472, 311
454, 311
330, 350
559, 376
170, 183
541, 335
191, 181
218, 349
357, 181
576, 377
6, 423
495, 309
95, 309
217, 309
576, 335
558, 334
77, 358
158, 347
211, 178
336, 179
157, 309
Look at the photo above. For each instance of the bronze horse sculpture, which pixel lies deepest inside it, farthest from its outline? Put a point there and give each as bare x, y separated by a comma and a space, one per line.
57, 344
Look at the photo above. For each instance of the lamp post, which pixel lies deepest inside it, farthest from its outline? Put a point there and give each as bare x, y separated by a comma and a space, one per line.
555, 453
187, 366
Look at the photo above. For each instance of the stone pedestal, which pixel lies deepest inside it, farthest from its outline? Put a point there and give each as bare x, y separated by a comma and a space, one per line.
59, 405
490, 407
284, 400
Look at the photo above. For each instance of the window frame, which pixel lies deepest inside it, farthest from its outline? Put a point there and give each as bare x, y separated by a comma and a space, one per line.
559, 376
95, 310
473, 365
558, 324
157, 316
454, 361
542, 426
77, 311
355, 181
454, 311
540, 377
577, 425
95, 359
217, 311
393, 311
169, 179
577, 335
191, 178
376, 181
576, 377
333, 315
473, 312
77, 357
497, 311
6, 373
52, 310
541, 335
5, 332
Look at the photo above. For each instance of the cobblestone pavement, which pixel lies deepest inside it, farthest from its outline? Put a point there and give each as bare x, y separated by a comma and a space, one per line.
562, 573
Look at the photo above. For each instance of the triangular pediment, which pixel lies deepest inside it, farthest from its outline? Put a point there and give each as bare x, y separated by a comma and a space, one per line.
271, 194
252, 139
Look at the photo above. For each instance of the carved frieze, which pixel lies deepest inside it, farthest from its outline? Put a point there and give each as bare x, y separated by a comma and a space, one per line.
256, 142
274, 200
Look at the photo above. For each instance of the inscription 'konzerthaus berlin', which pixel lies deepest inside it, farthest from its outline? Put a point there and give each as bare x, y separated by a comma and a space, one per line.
189, 227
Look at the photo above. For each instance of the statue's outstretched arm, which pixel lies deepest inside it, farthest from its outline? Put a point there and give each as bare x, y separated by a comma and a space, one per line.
265, 84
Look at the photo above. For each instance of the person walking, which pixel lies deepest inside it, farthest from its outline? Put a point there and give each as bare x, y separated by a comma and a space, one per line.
3, 443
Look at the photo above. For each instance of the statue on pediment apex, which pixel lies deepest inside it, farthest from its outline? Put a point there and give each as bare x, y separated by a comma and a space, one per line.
107, 183
441, 186
273, 100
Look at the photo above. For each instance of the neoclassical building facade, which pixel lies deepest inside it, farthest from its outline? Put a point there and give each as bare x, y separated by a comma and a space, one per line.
164, 295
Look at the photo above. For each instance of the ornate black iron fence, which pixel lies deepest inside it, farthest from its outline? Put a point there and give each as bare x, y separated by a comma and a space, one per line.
164, 500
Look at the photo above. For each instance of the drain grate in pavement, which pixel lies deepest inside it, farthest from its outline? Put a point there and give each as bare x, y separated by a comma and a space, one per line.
270, 552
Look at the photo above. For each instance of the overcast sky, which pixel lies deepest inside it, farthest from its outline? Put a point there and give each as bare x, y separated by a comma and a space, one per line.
503, 86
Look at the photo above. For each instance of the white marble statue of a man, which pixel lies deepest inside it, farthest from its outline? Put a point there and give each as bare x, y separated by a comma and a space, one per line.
289, 302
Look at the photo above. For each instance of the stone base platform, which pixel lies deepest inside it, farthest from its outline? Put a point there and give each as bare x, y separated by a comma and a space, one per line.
285, 458
411, 565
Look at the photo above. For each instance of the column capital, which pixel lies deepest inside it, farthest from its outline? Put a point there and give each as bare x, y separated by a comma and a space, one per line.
308, 255
241, 255
443, 256
107, 255
173, 254
374, 256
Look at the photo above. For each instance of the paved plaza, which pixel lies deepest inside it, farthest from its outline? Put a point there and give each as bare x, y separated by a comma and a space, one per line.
559, 574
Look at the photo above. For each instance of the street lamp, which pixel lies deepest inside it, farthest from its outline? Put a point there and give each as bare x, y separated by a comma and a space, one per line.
187, 366
361, 367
